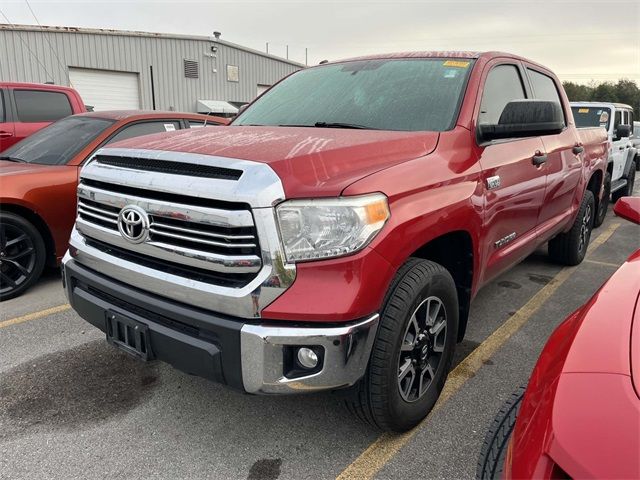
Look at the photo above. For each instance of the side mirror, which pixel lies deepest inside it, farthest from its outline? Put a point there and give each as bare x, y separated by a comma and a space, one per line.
628, 208
525, 118
623, 131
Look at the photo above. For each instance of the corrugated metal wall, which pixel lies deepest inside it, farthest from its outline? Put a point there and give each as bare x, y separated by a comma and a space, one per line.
19, 49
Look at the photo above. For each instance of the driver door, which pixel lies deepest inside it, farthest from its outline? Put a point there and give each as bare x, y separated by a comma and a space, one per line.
514, 186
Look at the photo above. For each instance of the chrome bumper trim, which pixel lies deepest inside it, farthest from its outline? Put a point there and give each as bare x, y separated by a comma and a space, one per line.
346, 354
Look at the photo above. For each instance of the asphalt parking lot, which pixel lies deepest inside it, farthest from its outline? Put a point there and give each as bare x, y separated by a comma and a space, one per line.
72, 406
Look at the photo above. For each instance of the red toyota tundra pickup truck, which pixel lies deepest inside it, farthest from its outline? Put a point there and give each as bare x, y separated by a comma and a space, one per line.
334, 235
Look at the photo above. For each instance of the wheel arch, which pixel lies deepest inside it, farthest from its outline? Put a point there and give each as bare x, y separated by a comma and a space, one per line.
37, 221
454, 251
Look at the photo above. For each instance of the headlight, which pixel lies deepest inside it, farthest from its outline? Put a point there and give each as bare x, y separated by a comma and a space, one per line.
331, 227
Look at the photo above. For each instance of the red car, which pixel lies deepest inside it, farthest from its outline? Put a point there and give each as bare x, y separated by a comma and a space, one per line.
335, 233
39, 177
580, 414
25, 108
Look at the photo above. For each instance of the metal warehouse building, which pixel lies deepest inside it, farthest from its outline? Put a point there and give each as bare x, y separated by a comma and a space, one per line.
136, 70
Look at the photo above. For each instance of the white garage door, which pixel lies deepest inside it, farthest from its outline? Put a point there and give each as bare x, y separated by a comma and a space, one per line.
106, 90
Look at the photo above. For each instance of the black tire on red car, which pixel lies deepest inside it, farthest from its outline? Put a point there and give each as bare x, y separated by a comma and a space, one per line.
570, 248
627, 190
413, 349
603, 204
22, 255
494, 447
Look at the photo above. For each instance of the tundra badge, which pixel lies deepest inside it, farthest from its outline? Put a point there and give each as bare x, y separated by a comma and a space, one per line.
493, 182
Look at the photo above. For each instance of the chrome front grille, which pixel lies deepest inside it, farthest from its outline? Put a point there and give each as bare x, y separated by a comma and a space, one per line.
206, 238
210, 235
197, 236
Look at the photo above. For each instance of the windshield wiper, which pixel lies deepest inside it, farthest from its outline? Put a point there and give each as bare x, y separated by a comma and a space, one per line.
12, 159
342, 125
331, 125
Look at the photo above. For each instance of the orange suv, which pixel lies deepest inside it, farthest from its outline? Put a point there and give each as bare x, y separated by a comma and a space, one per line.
38, 180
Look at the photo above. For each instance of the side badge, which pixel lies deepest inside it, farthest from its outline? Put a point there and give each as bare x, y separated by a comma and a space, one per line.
493, 182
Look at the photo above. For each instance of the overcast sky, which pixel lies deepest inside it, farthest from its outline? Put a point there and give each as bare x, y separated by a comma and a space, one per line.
580, 40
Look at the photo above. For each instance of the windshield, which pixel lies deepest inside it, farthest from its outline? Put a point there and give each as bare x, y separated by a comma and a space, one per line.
387, 94
58, 143
591, 116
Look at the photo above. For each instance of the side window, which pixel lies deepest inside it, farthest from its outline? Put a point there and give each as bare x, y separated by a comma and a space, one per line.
617, 119
502, 86
544, 88
144, 128
631, 121
40, 106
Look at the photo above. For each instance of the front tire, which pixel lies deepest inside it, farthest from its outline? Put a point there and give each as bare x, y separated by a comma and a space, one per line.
603, 204
413, 350
494, 447
570, 248
22, 255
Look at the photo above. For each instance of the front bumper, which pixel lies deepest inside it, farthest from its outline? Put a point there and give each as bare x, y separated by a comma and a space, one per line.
248, 355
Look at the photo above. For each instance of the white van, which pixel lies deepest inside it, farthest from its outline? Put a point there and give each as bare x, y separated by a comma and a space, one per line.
617, 120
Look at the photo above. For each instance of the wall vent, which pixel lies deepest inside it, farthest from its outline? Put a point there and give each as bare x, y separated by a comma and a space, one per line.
191, 69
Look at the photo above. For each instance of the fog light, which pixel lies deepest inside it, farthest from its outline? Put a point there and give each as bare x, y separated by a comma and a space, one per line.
307, 357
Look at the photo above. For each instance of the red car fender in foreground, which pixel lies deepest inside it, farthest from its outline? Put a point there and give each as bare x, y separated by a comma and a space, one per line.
580, 415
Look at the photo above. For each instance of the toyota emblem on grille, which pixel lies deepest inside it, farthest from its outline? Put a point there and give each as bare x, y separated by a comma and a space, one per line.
133, 224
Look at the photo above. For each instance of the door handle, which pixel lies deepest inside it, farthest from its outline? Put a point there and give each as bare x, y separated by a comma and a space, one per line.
578, 149
539, 158
6, 134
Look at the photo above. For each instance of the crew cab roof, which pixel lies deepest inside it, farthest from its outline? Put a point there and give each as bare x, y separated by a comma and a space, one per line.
471, 55
36, 86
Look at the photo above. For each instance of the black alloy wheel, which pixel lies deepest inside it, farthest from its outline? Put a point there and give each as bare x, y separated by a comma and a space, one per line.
22, 255
422, 348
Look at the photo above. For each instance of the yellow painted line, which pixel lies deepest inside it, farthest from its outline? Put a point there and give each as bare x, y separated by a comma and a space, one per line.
604, 264
35, 315
387, 445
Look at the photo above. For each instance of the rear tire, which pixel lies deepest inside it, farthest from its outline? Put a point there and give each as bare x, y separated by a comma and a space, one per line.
413, 350
603, 204
570, 248
494, 447
627, 191
22, 255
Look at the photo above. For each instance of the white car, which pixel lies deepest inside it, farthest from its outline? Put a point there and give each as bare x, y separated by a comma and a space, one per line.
617, 120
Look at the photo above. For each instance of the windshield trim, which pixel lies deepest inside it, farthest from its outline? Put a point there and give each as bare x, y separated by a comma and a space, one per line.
456, 112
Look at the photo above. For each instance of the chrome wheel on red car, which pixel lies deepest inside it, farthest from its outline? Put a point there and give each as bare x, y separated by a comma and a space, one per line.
22, 255
422, 349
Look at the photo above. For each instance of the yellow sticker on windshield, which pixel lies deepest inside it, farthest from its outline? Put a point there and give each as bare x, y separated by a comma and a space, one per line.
583, 110
456, 63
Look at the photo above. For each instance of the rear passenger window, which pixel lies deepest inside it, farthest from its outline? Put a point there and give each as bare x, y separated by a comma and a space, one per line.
40, 106
544, 88
145, 128
502, 86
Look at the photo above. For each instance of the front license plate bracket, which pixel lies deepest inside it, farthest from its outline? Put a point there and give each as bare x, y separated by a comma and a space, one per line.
128, 335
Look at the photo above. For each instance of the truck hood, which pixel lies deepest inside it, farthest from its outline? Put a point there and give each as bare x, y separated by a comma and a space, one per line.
311, 162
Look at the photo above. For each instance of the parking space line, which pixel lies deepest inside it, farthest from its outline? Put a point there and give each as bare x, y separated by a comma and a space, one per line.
387, 445
35, 315
605, 264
